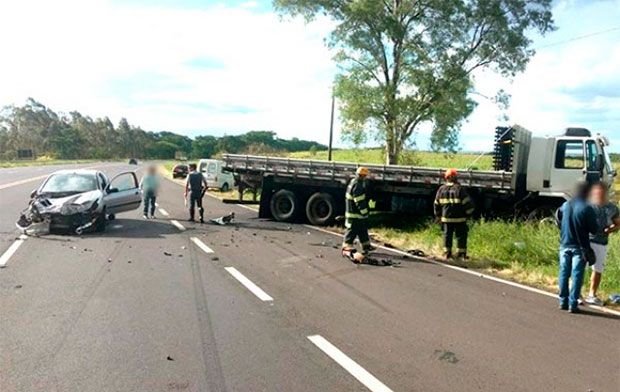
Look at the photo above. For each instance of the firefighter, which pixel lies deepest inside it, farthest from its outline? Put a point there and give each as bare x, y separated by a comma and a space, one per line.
452, 207
357, 212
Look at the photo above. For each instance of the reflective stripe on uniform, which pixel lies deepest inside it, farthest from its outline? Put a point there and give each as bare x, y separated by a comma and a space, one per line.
355, 199
350, 215
450, 201
453, 220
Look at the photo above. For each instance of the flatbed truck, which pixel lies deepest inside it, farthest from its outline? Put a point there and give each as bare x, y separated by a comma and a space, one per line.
532, 176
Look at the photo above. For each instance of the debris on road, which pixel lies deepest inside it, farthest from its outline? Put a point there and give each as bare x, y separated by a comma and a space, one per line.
224, 220
167, 253
169, 358
215, 258
19, 286
109, 260
359, 258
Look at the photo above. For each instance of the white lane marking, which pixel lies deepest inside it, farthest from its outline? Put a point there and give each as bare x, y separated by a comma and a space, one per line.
202, 245
177, 224
12, 249
27, 180
361, 374
257, 291
20, 182
478, 274
156, 204
164, 212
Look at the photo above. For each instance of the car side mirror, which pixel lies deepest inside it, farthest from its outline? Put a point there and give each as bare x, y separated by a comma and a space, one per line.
33, 194
112, 190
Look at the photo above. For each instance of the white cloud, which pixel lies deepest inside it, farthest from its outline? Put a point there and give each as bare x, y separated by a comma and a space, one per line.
235, 68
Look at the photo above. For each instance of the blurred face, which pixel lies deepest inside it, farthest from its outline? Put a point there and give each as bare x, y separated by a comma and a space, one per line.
598, 195
152, 170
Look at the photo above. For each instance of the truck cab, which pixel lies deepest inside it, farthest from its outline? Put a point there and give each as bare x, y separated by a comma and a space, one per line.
556, 163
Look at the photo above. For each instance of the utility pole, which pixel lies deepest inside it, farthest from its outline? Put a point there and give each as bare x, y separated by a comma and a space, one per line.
331, 129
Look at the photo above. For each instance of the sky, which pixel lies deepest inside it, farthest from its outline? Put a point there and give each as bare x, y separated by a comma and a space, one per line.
227, 67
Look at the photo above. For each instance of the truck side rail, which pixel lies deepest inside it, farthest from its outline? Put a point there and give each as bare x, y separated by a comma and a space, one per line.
343, 171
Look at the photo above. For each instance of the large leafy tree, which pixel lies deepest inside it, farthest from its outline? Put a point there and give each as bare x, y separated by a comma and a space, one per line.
406, 63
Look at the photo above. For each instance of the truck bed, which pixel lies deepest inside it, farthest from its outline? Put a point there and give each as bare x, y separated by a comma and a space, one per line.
341, 172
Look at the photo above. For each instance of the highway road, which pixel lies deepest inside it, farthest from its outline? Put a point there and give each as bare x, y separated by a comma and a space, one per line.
169, 305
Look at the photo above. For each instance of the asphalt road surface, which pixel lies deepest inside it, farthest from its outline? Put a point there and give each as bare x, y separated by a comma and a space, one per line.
266, 306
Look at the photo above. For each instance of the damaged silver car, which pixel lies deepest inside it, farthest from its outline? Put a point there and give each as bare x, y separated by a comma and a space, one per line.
78, 200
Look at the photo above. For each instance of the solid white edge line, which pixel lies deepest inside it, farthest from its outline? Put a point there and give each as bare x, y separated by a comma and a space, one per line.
361, 374
257, 291
202, 245
164, 212
10, 251
479, 274
177, 224
474, 273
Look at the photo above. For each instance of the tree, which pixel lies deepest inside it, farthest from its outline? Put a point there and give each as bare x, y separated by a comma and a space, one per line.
409, 63
203, 147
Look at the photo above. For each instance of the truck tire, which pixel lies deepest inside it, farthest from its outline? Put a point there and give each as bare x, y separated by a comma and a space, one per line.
284, 206
542, 214
321, 209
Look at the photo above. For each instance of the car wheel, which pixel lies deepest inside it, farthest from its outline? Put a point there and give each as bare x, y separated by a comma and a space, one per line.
225, 187
284, 206
321, 209
111, 217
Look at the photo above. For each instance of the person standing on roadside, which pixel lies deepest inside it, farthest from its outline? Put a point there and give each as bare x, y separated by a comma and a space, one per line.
195, 186
452, 207
356, 212
577, 222
608, 218
149, 184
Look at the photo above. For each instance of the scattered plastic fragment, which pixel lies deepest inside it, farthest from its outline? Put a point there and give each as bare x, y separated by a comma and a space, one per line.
167, 253
169, 358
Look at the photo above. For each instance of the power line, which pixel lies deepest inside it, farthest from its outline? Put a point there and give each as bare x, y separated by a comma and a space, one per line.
580, 37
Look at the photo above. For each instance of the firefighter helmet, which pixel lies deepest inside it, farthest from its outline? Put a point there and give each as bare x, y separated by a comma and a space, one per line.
450, 173
362, 171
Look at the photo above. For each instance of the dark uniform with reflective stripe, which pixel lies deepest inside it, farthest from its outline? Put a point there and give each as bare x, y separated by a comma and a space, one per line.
453, 206
356, 214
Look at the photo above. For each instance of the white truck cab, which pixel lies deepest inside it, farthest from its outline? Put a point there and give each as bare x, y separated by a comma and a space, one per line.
556, 163
212, 170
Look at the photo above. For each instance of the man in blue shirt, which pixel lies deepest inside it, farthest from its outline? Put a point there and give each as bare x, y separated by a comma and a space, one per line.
578, 221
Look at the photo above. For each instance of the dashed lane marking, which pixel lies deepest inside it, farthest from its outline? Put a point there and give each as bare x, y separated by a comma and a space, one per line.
257, 291
361, 374
164, 212
12, 249
201, 245
177, 224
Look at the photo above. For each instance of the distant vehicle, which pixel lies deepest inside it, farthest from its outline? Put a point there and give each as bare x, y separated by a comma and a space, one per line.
214, 173
80, 199
133, 161
180, 171
532, 177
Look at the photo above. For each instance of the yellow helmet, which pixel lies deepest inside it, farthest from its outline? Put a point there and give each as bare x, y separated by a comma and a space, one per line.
362, 171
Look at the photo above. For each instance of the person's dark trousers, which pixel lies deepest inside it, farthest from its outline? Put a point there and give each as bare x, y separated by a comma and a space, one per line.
572, 265
149, 200
451, 230
195, 199
356, 228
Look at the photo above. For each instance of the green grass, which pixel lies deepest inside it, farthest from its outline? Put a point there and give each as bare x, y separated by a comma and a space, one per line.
421, 158
43, 162
520, 251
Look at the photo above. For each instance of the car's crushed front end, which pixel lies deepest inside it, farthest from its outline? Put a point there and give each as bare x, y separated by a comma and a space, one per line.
76, 213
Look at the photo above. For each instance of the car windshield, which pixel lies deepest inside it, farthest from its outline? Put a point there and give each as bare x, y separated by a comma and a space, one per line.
70, 183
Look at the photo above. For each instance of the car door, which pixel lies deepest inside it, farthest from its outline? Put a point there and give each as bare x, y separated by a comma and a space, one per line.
122, 193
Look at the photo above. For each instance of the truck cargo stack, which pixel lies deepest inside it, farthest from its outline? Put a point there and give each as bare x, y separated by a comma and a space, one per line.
532, 176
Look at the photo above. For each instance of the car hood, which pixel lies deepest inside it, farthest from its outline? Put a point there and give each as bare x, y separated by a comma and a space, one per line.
70, 204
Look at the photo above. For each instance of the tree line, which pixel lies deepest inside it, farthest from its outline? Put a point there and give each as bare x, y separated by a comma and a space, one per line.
36, 127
